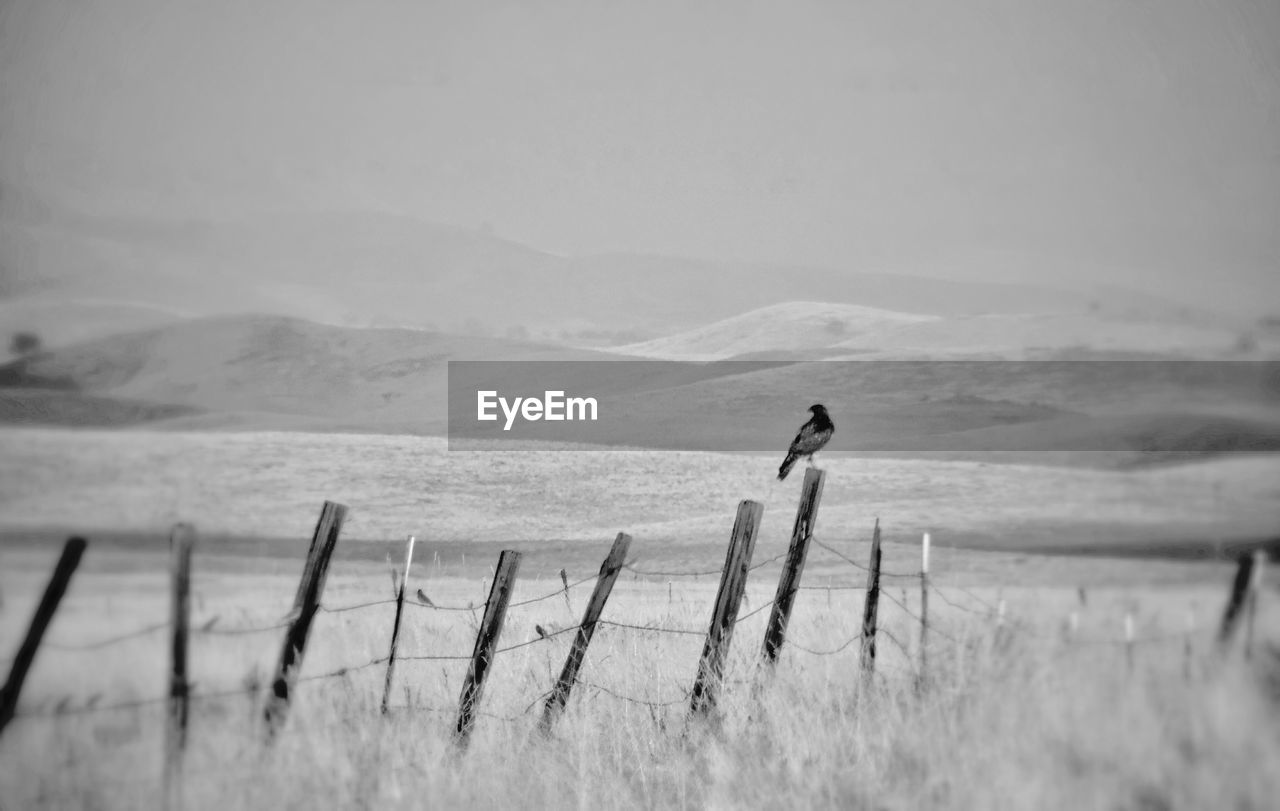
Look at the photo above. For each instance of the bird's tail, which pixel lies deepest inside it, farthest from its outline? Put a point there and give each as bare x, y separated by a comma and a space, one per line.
787, 464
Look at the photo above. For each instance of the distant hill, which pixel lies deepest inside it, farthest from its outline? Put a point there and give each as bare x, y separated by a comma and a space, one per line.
811, 330
792, 327
282, 372
369, 269
269, 372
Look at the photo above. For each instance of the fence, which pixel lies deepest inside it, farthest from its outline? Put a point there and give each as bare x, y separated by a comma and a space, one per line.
702, 695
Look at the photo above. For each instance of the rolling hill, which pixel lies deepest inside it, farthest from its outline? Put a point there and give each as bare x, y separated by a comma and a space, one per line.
278, 373
254, 370
371, 269
811, 330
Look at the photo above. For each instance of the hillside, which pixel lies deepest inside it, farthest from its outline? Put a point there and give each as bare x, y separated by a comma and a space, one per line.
818, 330
791, 327
283, 372
370, 269
245, 372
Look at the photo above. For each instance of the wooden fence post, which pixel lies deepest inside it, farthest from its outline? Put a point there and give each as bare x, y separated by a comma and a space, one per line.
305, 605
872, 606
789, 581
1128, 640
1255, 587
1237, 599
53, 592
733, 579
609, 570
395, 627
1187, 645
495, 612
181, 542
924, 605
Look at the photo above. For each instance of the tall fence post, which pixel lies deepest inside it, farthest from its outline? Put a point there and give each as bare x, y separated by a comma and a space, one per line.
609, 570
395, 627
495, 613
305, 605
53, 592
924, 605
1187, 645
1251, 613
872, 606
1128, 640
181, 542
789, 581
733, 579
1237, 599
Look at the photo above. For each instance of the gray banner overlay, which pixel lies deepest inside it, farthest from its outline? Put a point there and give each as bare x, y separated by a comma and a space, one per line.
925, 406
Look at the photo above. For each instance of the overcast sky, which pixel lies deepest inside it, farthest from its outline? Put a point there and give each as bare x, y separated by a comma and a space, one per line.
1135, 141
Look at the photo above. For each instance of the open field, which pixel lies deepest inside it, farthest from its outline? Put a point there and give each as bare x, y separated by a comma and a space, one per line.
270, 485
1019, 717
1030, 721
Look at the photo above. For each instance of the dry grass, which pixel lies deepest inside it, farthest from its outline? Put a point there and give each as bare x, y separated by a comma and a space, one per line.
1011, 720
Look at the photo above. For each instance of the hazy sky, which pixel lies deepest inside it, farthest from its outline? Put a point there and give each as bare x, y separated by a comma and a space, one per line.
1135, 141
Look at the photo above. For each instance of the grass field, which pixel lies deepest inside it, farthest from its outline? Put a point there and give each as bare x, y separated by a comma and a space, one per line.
1015, 717
270, 485
1018, 718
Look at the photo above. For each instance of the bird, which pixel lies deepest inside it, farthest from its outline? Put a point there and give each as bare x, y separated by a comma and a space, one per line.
424, 599
541, 631
813, 435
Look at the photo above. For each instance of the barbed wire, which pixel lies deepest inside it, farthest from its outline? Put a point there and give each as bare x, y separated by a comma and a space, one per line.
753, 612
342, 609
212, 631
832, 587
957, 606
92, 707
550, 594
655, 628
631, 699
975, 597
206, 630
629, 567
648, 573
855, 638
544, 637
898, 642
883, 572
109, 641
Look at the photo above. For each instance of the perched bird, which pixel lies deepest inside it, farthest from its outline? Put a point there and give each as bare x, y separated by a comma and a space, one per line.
424, 599
813, 435
541, 632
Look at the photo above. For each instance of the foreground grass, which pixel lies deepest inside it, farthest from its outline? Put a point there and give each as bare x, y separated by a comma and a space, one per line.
1012, 718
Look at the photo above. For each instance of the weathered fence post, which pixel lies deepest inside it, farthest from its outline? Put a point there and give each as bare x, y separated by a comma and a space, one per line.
1128, 640
395, 627
789, 581
564, 581
733, 579
181, 542
872, 606
305, 605
1236, 602
495, 612
609, 570
924, 605
53, 592
1255, 587
1187, 645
